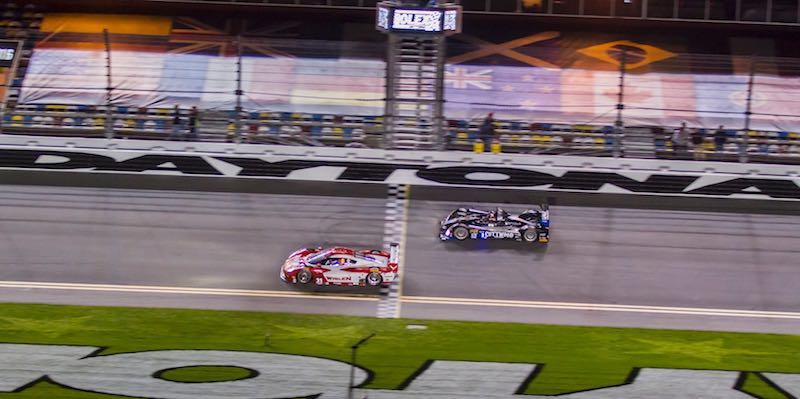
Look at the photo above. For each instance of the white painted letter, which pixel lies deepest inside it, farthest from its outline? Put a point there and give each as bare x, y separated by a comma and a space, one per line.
22, 364
788, 382
279, 375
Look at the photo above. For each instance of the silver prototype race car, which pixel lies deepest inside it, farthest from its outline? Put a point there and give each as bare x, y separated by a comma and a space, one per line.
466, 223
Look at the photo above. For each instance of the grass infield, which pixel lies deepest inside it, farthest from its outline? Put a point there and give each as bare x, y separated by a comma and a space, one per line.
576, 358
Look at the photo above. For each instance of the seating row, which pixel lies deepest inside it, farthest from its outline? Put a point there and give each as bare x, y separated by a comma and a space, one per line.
168, 113
758, 142
529, 127
460, 134
159, 124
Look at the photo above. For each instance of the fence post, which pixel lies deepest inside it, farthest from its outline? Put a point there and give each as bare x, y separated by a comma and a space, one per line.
109, 122
618, 124
748, 112
237, 121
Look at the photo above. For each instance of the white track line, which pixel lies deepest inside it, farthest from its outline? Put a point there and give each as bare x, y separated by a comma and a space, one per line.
601, 307
407, 299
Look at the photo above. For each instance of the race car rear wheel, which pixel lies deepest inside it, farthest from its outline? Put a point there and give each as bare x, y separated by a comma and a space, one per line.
374, 279
460, 233
304, 276
530, 235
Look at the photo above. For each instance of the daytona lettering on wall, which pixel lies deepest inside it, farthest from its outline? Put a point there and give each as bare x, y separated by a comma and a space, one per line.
272, 375
555, 179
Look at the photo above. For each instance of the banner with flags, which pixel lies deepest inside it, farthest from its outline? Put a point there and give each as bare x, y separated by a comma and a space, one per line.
475, 90
62, 76
166, 61
539, 76
776, 101
720, 99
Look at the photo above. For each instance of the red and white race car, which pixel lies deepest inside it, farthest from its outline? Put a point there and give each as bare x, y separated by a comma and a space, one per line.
341, 266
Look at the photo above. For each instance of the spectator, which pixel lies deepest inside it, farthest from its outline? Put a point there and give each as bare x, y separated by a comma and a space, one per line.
448, 137
680, 140
141, 118
193, 115
486, 131
720, 138
252, 133
697, 145
177, 124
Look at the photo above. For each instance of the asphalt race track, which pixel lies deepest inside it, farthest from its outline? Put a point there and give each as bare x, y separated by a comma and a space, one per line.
617, 256
604, 266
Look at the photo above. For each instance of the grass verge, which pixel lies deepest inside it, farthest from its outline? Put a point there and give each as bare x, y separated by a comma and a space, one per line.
576, 358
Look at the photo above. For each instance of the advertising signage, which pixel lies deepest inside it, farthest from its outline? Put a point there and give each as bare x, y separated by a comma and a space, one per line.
8, 52
436, 20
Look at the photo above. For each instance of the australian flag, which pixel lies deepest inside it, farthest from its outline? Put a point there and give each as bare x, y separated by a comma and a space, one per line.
511, 92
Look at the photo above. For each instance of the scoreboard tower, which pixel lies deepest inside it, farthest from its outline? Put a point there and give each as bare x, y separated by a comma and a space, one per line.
414, 114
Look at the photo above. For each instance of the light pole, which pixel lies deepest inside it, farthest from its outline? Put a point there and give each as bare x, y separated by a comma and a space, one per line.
619, 126
353, 349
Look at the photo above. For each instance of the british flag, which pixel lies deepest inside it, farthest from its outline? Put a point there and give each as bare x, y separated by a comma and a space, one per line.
462, 78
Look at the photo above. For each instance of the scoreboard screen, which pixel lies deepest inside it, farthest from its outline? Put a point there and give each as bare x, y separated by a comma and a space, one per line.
8, 51
393, 18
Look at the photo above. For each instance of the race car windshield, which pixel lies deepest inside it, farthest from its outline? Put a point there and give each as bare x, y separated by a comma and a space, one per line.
452, 215
338, 261
318, 257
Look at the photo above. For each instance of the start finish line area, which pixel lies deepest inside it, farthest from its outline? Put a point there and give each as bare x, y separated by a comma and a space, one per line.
87, 352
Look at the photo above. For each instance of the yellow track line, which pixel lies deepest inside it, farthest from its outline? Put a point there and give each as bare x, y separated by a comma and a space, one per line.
184, 290
408, 299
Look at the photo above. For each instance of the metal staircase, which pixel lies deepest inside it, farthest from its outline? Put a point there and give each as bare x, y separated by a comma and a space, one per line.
638, 143
415, 92
214, 126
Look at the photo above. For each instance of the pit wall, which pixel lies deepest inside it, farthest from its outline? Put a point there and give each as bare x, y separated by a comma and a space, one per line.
570, 179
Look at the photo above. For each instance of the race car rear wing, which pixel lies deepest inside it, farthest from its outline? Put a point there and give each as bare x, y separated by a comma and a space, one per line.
394, 253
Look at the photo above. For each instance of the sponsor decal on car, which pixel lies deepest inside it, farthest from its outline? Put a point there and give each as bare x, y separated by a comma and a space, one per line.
496, 234
418, 173
278, 375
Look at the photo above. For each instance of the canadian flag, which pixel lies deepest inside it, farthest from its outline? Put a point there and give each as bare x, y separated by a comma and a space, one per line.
578, 95
642, 97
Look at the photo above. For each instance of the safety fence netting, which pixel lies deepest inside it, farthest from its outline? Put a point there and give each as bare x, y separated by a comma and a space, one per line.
159, 62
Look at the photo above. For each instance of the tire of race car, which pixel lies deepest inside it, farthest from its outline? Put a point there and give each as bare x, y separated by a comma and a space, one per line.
460, 233
374, 279
304, 276
530, 235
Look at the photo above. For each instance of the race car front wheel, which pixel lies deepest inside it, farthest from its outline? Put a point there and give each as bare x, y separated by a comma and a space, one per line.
304, 276
530, 235
460, 233
374, 279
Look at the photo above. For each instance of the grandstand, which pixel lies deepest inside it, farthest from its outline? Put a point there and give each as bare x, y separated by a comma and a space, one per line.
556, 93
755, 12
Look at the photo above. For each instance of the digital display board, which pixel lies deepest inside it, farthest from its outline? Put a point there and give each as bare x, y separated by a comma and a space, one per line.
8, 51
393, 18
418, 20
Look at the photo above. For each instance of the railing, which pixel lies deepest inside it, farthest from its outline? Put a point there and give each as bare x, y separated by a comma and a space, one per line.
317, 96
774, 12
158, 124
293, 129
366, 131
757, 146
